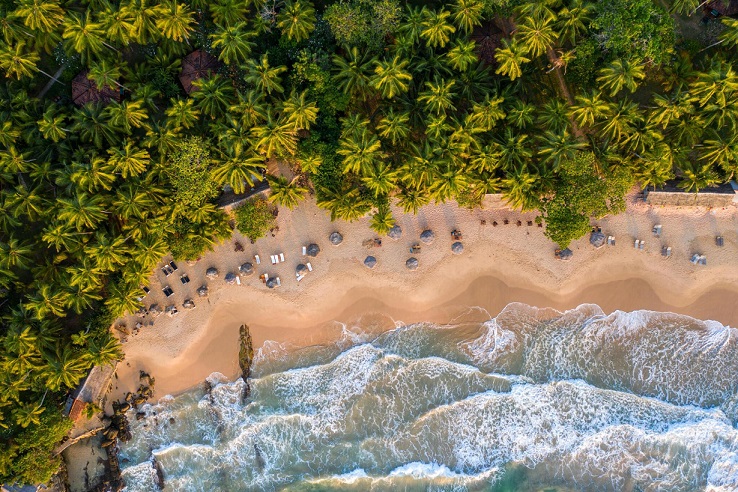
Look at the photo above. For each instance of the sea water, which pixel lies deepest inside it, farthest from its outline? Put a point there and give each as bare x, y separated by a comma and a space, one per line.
525, 401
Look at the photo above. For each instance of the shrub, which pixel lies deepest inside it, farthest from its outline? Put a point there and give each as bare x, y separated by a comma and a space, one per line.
254, 218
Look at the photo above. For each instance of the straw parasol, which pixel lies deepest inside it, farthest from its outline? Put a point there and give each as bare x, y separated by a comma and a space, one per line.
246, 269
301, 269
457, 248
313, 250
197, 65
597, 239
211, 273
202, 291
271, 283
85, 90
188, 304
563, 254
335, 238
230, 278
370, 262
154, 310
412, 263
395, 232
427, 236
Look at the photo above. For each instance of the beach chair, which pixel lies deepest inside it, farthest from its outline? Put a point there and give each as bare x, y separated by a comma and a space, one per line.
666, 251
304, 250
173, 265
310, 267
281, 256
642, 245
299, 277
611, 240
184, 279
636, 243
258, 260
279, 281
657, 230
695, 258
719, 241
238, 281
273, 258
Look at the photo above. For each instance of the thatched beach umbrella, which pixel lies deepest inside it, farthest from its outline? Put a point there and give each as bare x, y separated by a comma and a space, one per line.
271, 283
202, 291
246, 269
597, 239
427, 236
301, 269
188, 304
412, 263
564, 254
313, 250
197, 65
230, 278
154, 310
370, 262
84, 90
395, 232
335, 238
457, 248
211, 273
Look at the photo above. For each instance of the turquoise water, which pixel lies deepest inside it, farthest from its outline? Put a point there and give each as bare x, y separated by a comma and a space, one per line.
525, 401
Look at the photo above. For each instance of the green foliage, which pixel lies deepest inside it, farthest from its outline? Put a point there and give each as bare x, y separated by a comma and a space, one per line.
583, 192
363, 22
255, 218
190, 167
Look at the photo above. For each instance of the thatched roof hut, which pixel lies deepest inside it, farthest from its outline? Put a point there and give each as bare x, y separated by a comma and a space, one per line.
370, 262
457, 248
188, 304
427, 236
412, 263
335, 238
395, 232
202, 291
85, 90
211, 273
301, 269
154, 310
230, 278
197, 65
564, 254
272, 282
246, 269
597, 239
313, 250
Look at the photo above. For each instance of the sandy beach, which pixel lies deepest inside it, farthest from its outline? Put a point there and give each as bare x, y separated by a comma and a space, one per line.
500, 264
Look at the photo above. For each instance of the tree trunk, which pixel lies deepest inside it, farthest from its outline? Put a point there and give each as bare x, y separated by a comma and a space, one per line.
75, 440
556, 67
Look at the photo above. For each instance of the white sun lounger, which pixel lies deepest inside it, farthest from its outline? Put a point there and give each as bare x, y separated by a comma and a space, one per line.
310, 267
304, 250
279, 282
258, 260
266, 277
300, 277
274, 259
636, 243
238, 280
642, 245
281, 256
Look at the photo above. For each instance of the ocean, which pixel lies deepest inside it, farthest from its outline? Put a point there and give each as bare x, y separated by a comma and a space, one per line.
528, 400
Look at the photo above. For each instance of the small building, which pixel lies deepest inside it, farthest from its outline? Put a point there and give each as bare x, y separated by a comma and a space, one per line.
197, 65
85, 91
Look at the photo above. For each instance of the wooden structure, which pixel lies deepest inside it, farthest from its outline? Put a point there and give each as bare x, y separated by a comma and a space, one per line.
197, 65
85, 91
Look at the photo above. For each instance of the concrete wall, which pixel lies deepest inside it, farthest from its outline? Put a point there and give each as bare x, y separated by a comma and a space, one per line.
684, 199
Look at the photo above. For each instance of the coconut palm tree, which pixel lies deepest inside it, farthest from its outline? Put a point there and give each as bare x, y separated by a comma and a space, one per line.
343, 203
438, 98
262, 76
558, 146
287, 193
28, 414
394, 126
353, 75
46, 300
15, 253
132, 202
381, 179
436, 28
103, 349
513, 148
721, 151
411, 199
128, 160
521, 114
182, 113
251, 107
391, 77
42, 15
64, 368
520, 190
588, 108
104, 74
214, 95
449, 181
82, 210
536, 35
83, 36
382, 220
239, 170
462, 55
468, 14
16, 62
296, 20
299, 111
233, 43
275, 137
127, 115
698, 176
511, 57
622, 74
619, 121
360, 151
572, 21
174, 20
144, 17
118, 24
30, 203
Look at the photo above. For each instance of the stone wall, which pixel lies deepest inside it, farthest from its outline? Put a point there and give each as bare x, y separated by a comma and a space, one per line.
684, 199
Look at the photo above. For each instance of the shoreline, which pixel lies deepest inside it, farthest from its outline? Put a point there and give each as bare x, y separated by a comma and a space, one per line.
499, 265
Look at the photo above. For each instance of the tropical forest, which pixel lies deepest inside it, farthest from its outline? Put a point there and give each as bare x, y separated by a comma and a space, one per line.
124, 122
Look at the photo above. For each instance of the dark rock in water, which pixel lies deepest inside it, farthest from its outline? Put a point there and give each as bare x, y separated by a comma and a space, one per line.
107, 442
159, 473
139, 400
111, 433
140, 415
245, 356
260, 463
171, 420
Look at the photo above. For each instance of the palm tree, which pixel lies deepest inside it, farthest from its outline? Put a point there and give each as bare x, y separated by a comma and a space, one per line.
462, 55
104, 74
118, 24
144, 18
28, 414
284, 192
132, 202
275, 137
391, 78
122, 299
619, 121
238, 171
537, 35
411, 199
553, 116
64, 368
449, 182
394, 126
382, 220
520, 190
29, 203
175, 20
41, 15
61, 236
353, 75
622, 74
251, 107
214, 95
588, 108
263, 77
438, 97
15, 254
79, 299
572, 21
436, 29
82, 211
127, 115
300, 112
83, 36
8, 134
297, 19
511, 56
558, 146
468, 14
128, 160
521, 115
696, 177
103, 349
360, 152
718, 84
182, 113
15, 62
233, 42
721, 151
46, 300
151, 249
381, 179
514, 149
343, 203
85, 274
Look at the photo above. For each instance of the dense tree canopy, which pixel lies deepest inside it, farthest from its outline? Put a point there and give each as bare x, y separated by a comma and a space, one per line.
557, 104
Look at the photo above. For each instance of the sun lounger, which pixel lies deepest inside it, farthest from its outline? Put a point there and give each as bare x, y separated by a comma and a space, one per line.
636, 243
300, 277
258, 260
642, 245
279, 281
666, 251
304, 250
274, 259
281, 256
657, 230
611, 240
238, 281
173, 265
719, 241
310, 267
695, 258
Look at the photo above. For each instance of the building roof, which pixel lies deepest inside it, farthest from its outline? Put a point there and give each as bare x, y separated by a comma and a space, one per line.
196, 65
725, 7
85, 90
